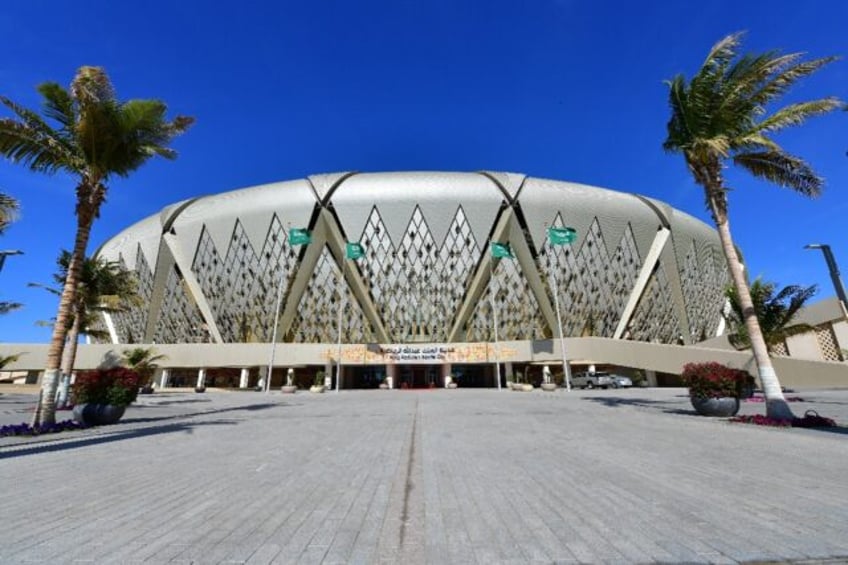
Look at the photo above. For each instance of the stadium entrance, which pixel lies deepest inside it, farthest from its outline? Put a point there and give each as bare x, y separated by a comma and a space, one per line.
475, 375
370, 376
419, 376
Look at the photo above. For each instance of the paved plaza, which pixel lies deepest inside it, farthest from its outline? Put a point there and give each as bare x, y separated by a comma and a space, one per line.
442, 476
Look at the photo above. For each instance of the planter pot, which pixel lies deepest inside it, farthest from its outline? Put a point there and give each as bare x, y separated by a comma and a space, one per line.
526, 387
549, 387
317, 388
98, 414
718, 407
288, 389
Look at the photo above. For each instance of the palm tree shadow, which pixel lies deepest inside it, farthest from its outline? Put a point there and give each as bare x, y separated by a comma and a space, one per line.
61, 444
156, 403
247, 407
839, 430
668, 407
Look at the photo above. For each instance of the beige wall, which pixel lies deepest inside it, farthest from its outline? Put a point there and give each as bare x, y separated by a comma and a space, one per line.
804, 346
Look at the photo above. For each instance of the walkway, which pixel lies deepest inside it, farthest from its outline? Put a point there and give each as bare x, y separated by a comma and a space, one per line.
463, 476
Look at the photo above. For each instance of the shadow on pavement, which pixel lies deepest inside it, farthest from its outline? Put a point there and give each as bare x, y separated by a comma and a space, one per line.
155, 403
841, 430
60, 444
247, 407
668, 407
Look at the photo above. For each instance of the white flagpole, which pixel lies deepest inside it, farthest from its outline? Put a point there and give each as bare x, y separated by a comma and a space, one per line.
342, 300
274, 333
566, 372
495, 320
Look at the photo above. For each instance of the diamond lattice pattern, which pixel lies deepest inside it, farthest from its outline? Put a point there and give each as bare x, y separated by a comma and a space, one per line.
593, 285
654, 318
704, 277
418, 284
518, 313
130, 323
179, 320
317, 316
241, 287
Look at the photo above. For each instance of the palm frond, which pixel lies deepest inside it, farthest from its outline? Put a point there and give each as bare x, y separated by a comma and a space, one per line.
6, 307
5, 360
50, 289
723, 51
755, 141
785, 72
797, 114
58, 105
782, 169
776, 311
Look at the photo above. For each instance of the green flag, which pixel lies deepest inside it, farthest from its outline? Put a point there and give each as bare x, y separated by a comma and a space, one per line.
562, 236
354, 250
501, 251
299, 236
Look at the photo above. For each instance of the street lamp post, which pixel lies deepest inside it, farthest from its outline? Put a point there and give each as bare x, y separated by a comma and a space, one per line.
834, 273
6, 253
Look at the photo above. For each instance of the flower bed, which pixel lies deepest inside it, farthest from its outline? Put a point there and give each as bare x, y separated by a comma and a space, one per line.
117, 386
714, 380
811, 419
27, 430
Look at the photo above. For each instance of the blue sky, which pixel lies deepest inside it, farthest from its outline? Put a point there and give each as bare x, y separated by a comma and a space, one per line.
563, 89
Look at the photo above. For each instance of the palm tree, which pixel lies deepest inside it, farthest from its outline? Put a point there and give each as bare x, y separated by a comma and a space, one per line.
776, 312
95, 138
720, 117
104, 286
142, 360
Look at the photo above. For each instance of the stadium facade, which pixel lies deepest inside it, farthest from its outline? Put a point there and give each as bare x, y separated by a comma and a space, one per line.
426, 296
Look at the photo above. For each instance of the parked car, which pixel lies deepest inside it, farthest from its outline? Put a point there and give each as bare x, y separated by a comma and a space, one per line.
586, 379
620, 381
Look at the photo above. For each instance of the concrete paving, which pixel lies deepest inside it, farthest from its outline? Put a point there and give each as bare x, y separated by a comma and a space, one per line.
459, 476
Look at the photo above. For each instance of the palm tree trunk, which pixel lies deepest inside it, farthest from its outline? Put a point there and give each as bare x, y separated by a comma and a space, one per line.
70, 356
45, 411
776, 405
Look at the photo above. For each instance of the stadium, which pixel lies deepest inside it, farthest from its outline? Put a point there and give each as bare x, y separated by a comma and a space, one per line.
418, 275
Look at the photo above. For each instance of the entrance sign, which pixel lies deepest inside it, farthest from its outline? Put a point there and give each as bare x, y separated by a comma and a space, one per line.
418, 354
412, 353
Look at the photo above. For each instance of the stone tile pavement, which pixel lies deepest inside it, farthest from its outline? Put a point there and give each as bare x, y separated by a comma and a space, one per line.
462, 476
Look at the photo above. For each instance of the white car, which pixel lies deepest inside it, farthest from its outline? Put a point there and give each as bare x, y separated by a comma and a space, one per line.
620, 381
592, 380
